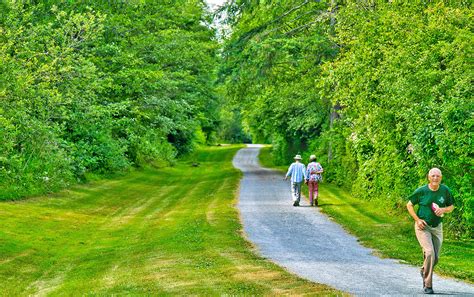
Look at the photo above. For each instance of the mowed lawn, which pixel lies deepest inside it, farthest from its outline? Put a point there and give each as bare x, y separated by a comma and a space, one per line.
170, 231
389, 232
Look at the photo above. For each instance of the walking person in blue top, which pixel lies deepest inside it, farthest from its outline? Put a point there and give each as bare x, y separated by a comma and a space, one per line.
434, 200
297, 171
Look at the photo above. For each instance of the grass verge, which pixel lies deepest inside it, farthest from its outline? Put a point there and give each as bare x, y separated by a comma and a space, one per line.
389, 233
171, 231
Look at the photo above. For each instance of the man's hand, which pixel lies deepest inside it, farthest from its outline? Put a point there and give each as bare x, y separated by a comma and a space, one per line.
440, 211
421, 224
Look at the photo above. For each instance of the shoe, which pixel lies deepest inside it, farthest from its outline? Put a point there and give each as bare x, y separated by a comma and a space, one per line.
428, 290
311, 203
316, 203
296, 203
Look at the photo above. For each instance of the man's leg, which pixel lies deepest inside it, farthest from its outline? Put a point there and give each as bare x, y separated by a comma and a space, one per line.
437, 237
425, 239
294, 193
298, 192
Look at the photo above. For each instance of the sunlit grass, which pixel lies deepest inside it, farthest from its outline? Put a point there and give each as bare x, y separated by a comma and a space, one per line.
390, 233
171, 231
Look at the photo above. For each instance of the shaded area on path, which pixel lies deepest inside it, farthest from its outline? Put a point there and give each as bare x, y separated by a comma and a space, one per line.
307, 243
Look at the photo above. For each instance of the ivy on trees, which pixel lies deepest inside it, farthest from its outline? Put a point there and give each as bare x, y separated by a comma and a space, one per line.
380, 91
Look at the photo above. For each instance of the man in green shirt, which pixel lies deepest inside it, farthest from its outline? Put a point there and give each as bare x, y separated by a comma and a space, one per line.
434, 200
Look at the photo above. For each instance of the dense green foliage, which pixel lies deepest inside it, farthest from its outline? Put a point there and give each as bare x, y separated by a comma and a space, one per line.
271, 61
381, 91
99, 86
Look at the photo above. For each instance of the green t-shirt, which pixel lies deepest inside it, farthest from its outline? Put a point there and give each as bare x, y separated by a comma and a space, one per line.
425, 197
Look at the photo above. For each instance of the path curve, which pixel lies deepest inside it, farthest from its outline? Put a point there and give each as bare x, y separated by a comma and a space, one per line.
307, 243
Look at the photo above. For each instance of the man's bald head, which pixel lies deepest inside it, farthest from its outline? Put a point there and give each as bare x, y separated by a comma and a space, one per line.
435, 171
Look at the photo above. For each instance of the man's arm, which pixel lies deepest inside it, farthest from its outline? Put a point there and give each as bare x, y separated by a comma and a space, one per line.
419, 222
289, 172
443, 210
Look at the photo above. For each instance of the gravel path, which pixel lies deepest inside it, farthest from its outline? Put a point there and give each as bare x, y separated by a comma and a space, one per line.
307, 243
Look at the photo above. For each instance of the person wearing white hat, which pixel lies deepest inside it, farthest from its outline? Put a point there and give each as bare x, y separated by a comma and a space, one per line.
313, 177
297, 171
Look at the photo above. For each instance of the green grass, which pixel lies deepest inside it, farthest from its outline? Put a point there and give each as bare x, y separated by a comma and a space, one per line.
167, 232
390, 233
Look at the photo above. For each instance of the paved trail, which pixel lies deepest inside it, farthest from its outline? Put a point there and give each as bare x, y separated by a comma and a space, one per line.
307, 243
